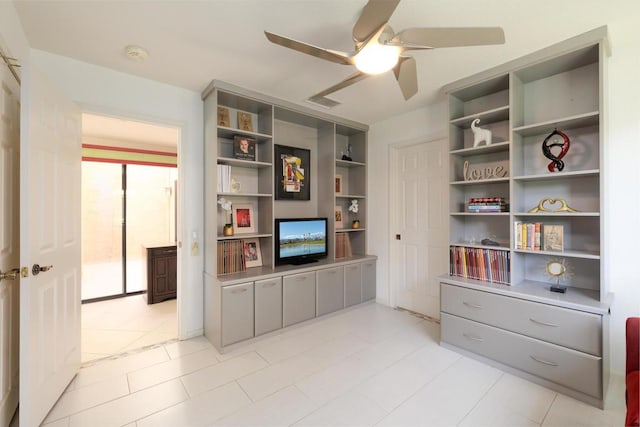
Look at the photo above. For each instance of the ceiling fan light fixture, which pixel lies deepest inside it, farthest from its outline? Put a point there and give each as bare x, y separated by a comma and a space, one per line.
376, 58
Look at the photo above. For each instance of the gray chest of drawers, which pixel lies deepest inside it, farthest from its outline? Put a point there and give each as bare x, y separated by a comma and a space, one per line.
561, 348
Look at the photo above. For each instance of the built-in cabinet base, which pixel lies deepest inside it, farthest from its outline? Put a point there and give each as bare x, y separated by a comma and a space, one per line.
240, 308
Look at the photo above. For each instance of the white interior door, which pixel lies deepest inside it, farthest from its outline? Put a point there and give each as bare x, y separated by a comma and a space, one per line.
9, 242
419, 190
49, 237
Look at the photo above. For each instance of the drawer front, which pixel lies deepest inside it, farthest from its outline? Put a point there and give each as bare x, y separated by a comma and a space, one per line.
298, 298
268, 305
570, 368
237, 313
329, 290
570, 328
352, 285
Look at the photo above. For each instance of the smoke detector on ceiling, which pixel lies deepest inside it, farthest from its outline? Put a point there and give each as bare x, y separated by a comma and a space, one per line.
136, 53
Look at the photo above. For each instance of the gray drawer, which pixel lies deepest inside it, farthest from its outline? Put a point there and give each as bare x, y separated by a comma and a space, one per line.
570, 368
329, 290
268, 305
569, 328
237, 313
298, 298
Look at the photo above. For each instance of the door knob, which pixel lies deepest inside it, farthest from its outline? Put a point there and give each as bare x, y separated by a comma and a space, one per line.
37, 269
10, 275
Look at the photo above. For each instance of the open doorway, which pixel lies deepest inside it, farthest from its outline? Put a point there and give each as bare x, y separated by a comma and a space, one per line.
129, 225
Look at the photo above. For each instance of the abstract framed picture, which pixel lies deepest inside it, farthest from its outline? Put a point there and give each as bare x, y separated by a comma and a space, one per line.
244, 219
292, 173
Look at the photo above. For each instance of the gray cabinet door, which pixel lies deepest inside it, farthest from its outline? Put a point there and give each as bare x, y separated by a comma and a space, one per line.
237, 313
329, 290
298, 298
368, 280
268, 305
352, 285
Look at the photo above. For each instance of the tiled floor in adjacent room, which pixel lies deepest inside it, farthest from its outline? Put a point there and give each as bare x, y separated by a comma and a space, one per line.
124, 324
369, 366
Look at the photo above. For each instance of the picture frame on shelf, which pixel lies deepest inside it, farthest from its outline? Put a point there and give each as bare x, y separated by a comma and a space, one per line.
338, 188
244, 148
223, 117
339, 218
252, 252
245, 121
244, 219
553, 238
292, 175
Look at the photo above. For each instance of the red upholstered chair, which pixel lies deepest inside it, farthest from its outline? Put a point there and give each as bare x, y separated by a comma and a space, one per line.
633, 372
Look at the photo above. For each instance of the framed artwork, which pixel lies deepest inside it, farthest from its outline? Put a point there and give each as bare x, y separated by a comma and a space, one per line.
245, 121
252, 252
223, 117
244, 219
338, 189
292, 174
244, 148
338, 217
553, 238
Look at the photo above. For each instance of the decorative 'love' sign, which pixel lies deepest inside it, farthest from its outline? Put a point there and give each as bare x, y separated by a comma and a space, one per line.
547, 144
483, 173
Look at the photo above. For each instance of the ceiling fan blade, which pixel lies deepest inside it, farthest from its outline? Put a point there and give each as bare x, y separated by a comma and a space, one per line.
407, 76
448, 37
318, 52
354, 78
375, 14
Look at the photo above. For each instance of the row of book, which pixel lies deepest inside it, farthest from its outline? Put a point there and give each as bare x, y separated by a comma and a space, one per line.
487, 204
538, 236
231, 256
490, 265
343, 246
224, 179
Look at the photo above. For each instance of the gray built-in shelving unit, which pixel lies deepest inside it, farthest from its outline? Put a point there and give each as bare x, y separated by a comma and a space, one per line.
243, 305
559, 340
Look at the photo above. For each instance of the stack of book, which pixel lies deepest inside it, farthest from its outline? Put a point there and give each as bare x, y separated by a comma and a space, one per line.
231, 256
343, 246
487, 204
490, 265
224, 179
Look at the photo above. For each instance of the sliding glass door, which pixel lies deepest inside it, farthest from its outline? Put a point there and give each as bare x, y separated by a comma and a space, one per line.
125, 207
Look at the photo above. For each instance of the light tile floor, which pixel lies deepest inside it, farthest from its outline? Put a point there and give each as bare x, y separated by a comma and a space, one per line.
123, 324
369, 366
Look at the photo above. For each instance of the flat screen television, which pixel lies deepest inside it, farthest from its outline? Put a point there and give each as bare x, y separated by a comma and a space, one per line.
300, 240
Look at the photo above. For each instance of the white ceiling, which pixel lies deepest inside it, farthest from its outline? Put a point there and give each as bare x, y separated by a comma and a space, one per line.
192, 42
125, 130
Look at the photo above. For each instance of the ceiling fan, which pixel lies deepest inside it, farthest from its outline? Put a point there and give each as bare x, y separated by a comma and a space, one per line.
379, 49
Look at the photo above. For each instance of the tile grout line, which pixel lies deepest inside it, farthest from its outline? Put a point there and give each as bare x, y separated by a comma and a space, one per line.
481, 397
546, 414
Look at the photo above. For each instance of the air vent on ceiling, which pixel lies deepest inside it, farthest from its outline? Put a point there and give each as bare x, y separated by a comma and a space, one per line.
323, 101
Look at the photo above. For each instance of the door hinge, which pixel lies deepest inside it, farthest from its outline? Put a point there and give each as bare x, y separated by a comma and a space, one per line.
25, 272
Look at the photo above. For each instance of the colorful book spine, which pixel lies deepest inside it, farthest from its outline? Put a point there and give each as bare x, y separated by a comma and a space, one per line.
490, 265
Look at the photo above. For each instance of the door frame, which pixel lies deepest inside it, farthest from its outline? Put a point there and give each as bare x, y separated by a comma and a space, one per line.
181, 234
394, 215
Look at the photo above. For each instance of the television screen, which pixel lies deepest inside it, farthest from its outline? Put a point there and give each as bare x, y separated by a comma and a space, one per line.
300, 240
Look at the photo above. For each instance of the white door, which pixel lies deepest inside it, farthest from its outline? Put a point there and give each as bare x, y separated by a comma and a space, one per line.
9, 242
419, 248
49, 237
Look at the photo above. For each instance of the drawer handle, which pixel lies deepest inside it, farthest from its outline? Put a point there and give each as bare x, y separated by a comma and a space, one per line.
473, 337
239, 291
468, 304
544, 362
539, 322
269, 285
